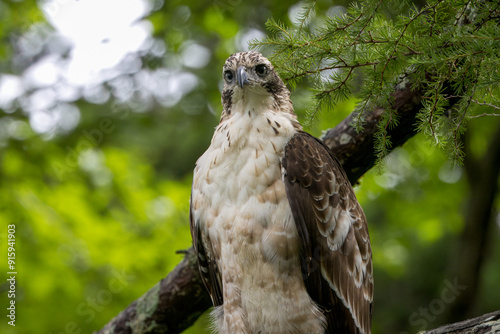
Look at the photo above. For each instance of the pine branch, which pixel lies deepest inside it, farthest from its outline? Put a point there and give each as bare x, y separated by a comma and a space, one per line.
437, 44
308, 11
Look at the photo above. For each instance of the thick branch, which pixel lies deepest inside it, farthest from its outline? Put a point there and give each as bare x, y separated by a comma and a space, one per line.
487, 323
355, 150
177, 301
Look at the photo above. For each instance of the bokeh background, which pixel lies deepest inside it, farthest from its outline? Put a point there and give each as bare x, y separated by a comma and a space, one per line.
105, 105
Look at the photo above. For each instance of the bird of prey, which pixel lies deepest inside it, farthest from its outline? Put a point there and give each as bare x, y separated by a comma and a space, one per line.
281, 240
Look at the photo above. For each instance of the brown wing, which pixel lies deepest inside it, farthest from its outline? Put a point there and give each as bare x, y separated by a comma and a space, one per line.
210, 275
336, 254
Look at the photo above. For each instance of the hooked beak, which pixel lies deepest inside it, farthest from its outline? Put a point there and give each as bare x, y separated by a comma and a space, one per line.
242, 76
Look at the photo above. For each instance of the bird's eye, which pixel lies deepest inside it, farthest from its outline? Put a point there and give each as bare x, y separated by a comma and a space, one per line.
261, 70
228, 76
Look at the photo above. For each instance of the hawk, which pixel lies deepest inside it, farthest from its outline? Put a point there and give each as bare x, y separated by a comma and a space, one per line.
281, 240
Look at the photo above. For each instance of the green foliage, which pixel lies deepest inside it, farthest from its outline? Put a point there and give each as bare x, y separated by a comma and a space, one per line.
445, 49
86, 250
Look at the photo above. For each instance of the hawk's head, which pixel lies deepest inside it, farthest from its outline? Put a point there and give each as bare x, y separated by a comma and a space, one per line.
250, 76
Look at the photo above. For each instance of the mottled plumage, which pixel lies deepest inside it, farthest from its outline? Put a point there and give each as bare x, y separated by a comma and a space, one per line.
282, 242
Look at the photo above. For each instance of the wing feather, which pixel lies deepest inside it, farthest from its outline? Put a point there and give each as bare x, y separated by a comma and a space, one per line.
207, 265
336, 253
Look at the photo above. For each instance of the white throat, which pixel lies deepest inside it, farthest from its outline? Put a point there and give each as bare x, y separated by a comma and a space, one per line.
253, 99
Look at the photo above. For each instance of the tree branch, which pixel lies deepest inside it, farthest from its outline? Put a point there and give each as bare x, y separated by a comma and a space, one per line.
487, 323
355, 150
